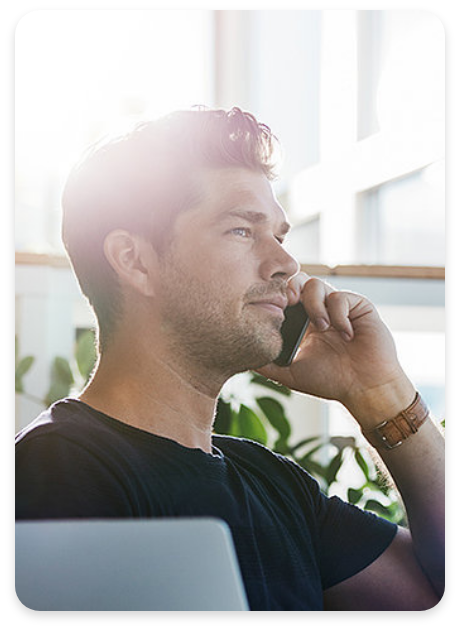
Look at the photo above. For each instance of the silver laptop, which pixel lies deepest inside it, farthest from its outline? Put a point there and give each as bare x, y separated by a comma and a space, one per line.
128, 565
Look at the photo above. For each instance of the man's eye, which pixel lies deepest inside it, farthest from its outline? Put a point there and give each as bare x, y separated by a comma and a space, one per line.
242, 232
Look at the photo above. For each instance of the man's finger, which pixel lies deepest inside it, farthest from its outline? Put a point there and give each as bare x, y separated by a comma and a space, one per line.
338, 307
295, 286
314, 295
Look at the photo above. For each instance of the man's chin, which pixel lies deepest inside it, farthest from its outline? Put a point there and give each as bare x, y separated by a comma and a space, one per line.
265, 355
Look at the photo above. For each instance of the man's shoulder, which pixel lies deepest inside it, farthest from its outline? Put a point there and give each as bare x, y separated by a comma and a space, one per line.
262, 460
235, 444
68, 464
46, 422
63, 420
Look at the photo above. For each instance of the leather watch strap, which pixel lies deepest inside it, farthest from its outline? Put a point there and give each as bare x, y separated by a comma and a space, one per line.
394, 431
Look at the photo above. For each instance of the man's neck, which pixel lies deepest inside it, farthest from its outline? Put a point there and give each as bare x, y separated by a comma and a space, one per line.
160, 396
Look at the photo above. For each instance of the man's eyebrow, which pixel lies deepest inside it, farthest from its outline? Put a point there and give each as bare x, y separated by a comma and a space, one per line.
255, 217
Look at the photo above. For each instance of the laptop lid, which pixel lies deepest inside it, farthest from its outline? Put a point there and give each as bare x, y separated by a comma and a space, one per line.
128, 565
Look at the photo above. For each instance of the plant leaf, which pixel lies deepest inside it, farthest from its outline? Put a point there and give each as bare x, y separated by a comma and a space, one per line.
61, 380
377, 507
250, 425
24, 365
342, 441
85, 353
223, 419
275, 415
362, 464
272, 385
354, 495
333, 468
21, 366
304, 442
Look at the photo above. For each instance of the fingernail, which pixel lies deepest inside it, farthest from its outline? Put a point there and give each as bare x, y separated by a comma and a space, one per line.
346, 336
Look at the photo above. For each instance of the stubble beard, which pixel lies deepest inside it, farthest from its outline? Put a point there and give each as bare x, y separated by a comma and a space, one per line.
221, 338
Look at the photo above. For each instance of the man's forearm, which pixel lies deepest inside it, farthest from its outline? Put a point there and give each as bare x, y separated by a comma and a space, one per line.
417, 468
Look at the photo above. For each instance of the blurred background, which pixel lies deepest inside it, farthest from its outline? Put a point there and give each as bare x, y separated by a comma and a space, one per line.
357, 100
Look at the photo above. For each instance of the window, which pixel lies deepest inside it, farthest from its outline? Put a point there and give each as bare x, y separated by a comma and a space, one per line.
380, 173
401, 222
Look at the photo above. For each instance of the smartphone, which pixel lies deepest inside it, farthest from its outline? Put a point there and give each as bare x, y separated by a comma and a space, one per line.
292, 331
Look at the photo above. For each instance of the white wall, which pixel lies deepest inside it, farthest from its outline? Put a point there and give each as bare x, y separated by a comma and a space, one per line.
49, 307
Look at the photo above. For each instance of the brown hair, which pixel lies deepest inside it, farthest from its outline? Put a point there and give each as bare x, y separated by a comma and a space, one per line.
141, 181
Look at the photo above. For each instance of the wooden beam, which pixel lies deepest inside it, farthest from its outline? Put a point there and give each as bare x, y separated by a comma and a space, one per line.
312, 269
35, 258
376, 271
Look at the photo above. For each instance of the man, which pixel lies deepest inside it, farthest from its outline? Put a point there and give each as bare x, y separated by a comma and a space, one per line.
177, 238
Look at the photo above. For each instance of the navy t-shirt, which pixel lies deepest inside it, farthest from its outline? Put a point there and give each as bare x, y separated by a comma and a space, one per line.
292, 542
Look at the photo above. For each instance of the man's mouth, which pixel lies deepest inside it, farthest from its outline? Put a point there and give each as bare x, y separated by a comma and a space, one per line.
272, 304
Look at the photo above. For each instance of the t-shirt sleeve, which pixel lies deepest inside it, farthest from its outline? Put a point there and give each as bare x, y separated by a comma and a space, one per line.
57, 479
350, 539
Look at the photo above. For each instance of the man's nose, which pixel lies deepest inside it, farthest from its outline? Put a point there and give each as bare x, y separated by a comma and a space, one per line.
278, 263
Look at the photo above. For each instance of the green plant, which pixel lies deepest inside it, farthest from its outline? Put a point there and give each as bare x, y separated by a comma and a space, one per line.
323, 458
64, 375
21, 367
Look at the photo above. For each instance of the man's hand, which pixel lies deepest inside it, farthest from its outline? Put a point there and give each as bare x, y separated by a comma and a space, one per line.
348, 354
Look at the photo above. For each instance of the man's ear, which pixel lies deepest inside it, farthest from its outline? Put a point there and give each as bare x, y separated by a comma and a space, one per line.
134, 260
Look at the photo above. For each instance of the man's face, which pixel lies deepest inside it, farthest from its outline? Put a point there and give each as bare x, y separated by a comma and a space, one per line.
223, 279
